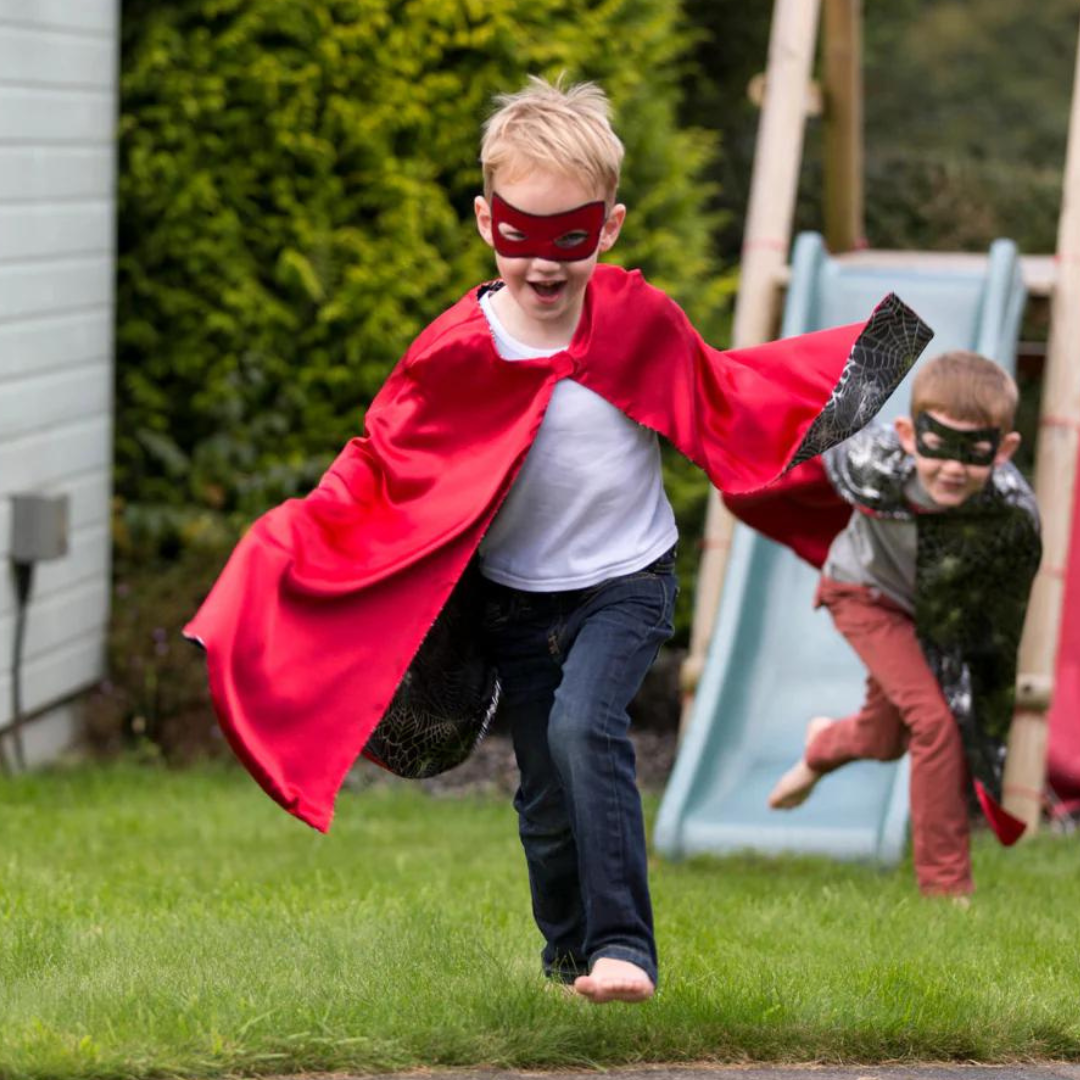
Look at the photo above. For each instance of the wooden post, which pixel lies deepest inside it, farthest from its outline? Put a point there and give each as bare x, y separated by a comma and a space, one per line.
766, 240
1055, 472
844, 227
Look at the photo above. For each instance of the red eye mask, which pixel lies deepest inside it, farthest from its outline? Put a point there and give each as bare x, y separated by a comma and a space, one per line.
566, 237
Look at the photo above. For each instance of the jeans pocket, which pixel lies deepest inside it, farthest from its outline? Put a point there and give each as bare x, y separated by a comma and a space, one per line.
497, 614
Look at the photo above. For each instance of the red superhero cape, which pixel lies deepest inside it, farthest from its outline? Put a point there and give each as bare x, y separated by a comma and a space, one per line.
1063, 745
323, 604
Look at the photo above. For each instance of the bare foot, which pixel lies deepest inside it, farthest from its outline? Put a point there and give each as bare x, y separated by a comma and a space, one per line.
794, 787
959, 900
817, 724
614, 980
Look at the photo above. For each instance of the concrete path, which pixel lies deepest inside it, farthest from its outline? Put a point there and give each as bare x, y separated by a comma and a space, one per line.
1021, 1071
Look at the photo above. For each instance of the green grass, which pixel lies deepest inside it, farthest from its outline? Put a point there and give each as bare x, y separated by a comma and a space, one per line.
178, 924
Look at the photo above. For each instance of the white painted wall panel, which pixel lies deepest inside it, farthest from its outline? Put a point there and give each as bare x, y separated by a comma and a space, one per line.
36, 345
41, 462
43, 402
58, 98
38, 57
86, 561
37, 173
100, 17
45, 116
58, 620
49, 230
33, 289
89, 494
88, 507
50, 736
77, 664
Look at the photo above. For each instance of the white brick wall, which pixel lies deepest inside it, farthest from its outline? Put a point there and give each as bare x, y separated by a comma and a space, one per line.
58, 99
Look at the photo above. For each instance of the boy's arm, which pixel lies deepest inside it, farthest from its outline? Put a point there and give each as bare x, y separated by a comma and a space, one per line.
811, 503
745, 416
800, 510
869, 469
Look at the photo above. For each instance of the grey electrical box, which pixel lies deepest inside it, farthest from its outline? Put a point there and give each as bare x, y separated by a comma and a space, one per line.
39, 527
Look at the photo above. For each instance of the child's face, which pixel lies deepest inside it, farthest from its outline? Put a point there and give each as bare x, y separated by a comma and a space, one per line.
544, 295
949, 481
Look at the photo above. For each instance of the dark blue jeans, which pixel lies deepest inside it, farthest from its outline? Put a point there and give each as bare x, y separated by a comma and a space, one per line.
570, 662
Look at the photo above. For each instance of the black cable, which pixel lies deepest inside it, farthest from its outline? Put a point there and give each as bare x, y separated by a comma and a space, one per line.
23, 573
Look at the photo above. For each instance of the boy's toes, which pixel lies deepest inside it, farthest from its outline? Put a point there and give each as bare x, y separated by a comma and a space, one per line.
793, 787
614, 980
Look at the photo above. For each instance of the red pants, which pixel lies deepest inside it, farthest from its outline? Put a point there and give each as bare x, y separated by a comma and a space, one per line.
904, 710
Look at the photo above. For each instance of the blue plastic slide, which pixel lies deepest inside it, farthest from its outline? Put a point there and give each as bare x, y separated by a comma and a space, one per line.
774, 662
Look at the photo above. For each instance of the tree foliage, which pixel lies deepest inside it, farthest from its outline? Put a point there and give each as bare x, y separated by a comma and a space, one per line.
296, 187
966, 114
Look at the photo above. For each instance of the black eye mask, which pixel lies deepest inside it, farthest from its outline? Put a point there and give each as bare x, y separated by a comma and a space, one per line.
955, 445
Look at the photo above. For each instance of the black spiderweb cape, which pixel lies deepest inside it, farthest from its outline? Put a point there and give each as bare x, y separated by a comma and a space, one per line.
974, 567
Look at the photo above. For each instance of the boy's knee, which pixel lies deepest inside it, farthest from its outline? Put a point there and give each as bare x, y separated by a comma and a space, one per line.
932, 728
891, 749
544, 818
569, 734
541, 799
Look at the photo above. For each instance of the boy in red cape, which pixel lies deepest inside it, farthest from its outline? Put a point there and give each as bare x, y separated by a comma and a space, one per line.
519, 434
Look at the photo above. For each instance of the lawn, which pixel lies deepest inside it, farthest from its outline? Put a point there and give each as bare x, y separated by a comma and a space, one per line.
157, 923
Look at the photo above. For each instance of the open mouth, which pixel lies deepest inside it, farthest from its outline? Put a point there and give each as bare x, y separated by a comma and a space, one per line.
548, 290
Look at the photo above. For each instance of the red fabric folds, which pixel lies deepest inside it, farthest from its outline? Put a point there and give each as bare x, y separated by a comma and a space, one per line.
801, 510
1007, 829
1063, 737
322, 606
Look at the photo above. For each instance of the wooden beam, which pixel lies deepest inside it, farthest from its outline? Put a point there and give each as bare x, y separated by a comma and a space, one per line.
844, 224
1055, 479
766, 242
1039, 272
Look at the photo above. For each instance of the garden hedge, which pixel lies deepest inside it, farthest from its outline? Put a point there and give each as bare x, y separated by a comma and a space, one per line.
296, 185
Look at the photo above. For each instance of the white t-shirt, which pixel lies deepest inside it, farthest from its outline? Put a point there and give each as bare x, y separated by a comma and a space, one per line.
589, 502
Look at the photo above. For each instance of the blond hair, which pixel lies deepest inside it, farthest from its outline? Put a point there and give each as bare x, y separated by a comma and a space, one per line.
553, 126
966, 386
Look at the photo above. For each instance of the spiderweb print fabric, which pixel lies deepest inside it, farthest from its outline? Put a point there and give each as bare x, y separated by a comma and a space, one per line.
445, 703
882, 355
973, 573
448, 697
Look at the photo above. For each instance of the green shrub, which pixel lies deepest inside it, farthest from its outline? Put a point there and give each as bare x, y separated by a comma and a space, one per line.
156, 700
296, 186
